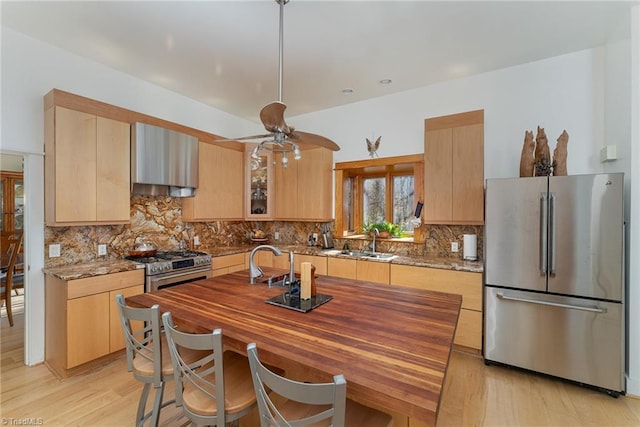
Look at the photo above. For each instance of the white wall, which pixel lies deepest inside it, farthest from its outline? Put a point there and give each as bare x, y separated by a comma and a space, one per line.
633, 300
559, 93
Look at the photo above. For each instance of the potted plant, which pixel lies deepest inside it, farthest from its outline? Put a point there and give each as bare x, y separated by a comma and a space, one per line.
385, 229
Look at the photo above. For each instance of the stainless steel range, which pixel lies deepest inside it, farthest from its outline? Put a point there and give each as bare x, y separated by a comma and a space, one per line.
166, 269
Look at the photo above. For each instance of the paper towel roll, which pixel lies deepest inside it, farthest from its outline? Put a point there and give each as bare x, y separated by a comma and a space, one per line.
470, 247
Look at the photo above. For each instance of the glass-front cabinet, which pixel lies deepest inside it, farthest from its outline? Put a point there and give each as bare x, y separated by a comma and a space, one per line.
12, 189
259, 184
12, 201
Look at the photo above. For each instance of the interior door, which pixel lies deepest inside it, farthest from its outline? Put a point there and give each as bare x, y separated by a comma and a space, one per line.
586, 238
513, 226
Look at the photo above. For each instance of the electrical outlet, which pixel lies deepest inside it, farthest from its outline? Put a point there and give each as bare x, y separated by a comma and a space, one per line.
102, 250
315, 237
276, 235
54, 250
196, 240
454, 246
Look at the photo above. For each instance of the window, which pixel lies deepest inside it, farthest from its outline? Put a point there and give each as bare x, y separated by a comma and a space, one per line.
403, 192
372, 191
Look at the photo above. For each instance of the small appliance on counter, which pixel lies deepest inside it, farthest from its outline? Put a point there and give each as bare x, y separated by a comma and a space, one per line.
470, 247
327, 239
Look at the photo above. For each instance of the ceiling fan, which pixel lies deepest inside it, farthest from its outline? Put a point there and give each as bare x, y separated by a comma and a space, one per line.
283, 138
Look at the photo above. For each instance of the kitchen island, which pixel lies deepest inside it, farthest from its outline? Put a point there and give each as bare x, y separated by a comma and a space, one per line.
392, 343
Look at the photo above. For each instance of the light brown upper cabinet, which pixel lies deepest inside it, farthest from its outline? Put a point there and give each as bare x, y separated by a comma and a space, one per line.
221, 185
303, 190
454, 169
87, 178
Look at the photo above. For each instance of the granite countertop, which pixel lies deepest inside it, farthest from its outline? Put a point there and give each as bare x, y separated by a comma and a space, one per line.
98, 268
419, 261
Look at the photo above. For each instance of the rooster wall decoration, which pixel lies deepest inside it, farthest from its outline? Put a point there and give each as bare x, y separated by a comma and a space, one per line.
372, 147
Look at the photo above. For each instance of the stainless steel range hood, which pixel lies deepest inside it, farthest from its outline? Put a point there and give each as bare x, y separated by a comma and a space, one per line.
163, 161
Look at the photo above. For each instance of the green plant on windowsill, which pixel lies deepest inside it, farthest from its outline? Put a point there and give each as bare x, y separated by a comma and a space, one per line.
385, 229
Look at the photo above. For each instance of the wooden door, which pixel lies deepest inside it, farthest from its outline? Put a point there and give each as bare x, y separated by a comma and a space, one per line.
438, 175
113, 176
341, 267
75, 166
87, 328
371, 271
220, 185
314, 191
468, 182
286, 185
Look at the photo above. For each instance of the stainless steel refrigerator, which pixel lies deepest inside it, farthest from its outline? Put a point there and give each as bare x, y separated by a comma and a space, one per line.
554, 277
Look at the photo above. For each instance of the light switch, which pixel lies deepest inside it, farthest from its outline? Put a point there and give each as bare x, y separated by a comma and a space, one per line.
454, 246
54, 250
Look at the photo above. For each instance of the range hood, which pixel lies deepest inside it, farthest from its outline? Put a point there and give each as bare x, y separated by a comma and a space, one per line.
163, 161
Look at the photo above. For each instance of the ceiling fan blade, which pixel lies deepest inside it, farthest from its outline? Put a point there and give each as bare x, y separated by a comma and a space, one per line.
272, 116
244, 138
313, 139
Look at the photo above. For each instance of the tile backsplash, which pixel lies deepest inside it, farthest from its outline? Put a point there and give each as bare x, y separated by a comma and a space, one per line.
159, 220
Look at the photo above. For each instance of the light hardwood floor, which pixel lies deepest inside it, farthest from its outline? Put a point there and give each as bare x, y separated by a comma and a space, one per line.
474, 395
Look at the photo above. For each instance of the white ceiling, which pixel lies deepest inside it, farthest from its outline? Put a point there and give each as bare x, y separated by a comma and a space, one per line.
225, 53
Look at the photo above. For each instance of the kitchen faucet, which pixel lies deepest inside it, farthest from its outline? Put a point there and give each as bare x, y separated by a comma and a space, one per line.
254, 270
373, 243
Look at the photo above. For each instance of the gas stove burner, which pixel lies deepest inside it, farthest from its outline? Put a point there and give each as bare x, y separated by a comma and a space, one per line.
179, 254
164, 262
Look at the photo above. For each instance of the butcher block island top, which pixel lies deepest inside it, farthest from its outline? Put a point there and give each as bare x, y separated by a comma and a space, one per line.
391, 343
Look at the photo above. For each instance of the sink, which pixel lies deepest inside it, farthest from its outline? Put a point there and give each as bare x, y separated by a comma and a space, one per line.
371, 255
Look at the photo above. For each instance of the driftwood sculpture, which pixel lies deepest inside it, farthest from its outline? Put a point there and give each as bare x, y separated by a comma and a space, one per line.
560, 155
527, 158
543, 166
535, 159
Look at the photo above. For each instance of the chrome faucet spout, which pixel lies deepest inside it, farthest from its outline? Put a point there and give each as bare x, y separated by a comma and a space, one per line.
373, 244
254, 270
292, 275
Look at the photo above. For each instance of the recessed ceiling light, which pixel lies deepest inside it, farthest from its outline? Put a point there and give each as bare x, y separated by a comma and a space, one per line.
347, 91
385, 81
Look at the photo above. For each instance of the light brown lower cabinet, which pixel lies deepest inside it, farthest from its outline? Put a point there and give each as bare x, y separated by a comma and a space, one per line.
369, 271
467, 284
82, 322
226, 264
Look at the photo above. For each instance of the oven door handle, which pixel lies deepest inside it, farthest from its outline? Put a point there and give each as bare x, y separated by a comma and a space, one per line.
170, 276
164, 280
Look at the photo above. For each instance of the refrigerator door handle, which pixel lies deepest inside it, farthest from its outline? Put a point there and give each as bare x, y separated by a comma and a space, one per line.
552, 234
543, 234
554, 304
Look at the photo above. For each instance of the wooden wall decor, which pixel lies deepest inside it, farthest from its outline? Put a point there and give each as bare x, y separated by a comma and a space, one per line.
543, 165
527, 158
560, 155
535, 159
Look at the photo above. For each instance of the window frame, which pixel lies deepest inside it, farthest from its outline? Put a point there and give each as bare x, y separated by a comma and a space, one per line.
386, 167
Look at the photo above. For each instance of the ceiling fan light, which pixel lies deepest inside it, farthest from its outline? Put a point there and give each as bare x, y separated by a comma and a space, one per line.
254, 153
296, 152
285, 160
